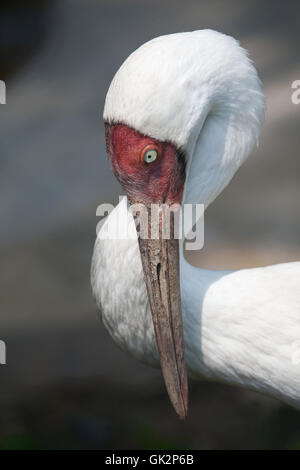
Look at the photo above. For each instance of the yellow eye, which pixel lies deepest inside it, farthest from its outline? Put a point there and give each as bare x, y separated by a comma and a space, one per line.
150, 156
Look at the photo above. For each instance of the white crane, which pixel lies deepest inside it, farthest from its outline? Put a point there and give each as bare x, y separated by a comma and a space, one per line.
182, 114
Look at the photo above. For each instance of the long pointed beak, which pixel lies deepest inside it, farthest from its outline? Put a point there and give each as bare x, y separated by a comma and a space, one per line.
160, 259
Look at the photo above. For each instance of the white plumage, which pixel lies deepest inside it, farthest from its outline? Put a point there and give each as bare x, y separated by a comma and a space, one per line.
200, 91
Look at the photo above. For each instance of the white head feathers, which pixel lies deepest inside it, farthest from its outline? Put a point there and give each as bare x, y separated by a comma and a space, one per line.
173, 85
163, 86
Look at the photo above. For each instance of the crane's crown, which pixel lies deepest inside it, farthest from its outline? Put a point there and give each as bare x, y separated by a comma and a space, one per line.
168, 86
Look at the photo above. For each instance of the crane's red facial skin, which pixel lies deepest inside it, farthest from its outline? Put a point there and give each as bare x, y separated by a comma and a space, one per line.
161, 181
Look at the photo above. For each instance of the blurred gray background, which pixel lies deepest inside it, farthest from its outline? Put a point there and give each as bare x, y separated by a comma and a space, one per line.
66, 384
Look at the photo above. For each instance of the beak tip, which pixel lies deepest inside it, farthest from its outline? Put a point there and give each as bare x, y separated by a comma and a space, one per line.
183, 414
179, 399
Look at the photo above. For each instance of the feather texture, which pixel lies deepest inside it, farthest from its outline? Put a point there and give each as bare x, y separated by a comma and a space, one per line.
200, 91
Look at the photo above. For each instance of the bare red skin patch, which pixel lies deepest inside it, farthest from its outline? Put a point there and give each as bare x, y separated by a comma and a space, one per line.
161, 181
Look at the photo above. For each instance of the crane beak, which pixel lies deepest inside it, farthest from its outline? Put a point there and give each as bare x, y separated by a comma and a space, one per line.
160, 260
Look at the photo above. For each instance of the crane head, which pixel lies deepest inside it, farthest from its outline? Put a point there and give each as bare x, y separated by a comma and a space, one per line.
152, 174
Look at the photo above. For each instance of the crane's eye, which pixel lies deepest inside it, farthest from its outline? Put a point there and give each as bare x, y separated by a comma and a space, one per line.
150, 155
